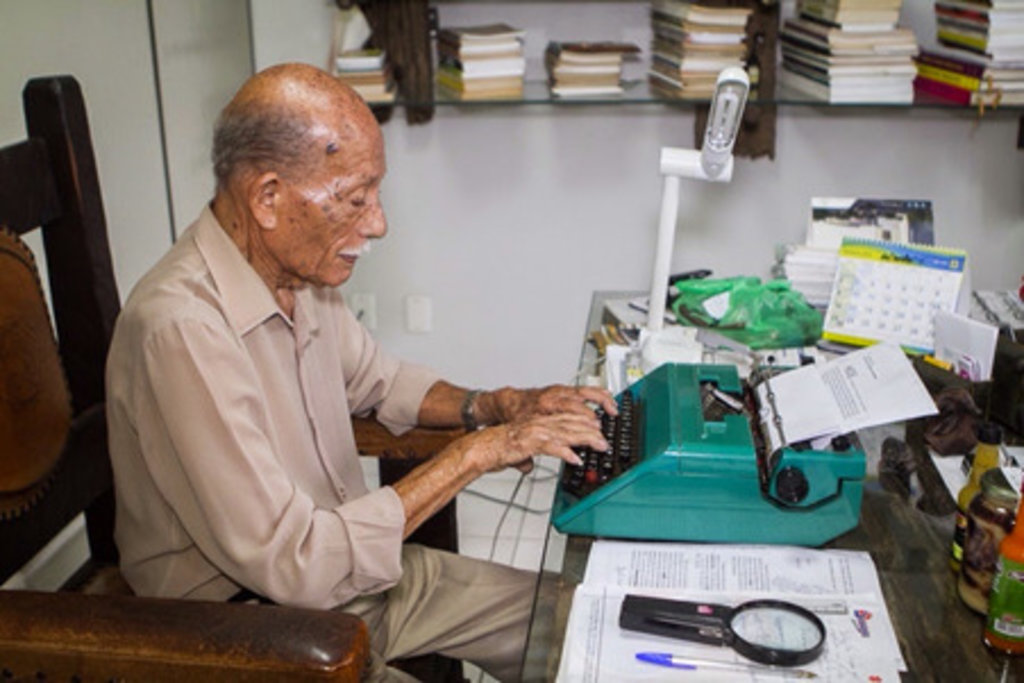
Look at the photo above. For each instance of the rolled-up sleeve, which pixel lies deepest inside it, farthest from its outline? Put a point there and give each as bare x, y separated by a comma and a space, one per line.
372, 522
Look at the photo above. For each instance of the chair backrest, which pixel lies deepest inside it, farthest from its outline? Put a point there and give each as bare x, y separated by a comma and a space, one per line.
49, 182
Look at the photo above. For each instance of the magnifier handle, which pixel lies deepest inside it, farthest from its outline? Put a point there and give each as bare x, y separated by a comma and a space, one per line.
695, 621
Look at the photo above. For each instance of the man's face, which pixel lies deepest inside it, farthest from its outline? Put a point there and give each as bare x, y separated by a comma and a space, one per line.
326, 219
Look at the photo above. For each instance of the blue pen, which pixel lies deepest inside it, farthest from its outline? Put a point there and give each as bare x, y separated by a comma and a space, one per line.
691, 664
664, 659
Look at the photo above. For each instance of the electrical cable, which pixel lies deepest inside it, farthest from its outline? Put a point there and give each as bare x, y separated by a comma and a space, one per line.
549, 473
504, 515
501, 501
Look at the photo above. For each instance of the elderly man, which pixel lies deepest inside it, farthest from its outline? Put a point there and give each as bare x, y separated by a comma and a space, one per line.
232, 374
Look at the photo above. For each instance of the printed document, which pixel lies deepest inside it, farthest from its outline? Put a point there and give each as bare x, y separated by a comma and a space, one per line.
868, 387
840, 586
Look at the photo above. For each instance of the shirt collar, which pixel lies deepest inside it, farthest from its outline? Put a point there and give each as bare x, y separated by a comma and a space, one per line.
247, 300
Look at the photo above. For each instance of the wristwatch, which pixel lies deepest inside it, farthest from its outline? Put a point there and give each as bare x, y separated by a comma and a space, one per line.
468, 417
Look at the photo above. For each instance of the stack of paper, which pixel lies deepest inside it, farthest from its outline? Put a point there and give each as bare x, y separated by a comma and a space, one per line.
840, 586
810, 271
692, 44
981, 59
366, 72
864, 388
1002, 308
849, 51
481, 62
811, 267
585, 69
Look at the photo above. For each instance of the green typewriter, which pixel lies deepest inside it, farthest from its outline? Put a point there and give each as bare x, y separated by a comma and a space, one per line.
688, 463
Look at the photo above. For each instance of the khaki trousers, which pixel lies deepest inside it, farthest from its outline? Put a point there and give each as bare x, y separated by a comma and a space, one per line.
457, 606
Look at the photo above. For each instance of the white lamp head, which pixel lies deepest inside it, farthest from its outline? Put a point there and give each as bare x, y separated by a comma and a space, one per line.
724, 120
713, 162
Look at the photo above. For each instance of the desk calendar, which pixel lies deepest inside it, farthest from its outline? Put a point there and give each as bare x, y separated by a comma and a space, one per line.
885, 291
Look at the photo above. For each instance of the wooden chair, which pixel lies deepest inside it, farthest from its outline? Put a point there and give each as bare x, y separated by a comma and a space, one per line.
396, 457
54, 463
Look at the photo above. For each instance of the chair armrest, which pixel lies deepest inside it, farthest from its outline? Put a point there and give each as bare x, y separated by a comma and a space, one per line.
399, 455
72, 636
372, 438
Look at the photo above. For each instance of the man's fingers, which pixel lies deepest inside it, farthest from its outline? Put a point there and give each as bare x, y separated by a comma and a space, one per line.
567, 429
567, 454
580, 400
602, 397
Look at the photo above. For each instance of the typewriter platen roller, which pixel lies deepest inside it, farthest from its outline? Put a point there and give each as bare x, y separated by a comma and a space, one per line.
688, 463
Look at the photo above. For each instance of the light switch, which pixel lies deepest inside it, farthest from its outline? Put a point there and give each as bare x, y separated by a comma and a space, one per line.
419, 313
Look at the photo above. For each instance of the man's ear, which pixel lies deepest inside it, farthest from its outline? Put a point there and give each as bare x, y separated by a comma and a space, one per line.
264, 199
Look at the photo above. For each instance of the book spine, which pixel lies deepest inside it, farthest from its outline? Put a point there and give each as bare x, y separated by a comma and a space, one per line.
819, 17
450, 62
450, 80
976, 43
804, 43
950, 64
449, 36
952, 78
942, 90
964, 6
970, 17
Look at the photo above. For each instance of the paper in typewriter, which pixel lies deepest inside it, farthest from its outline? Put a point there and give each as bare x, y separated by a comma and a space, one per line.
864, 388
840, 586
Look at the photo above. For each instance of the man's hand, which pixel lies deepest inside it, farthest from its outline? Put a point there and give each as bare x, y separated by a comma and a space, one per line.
510, 405
515, 444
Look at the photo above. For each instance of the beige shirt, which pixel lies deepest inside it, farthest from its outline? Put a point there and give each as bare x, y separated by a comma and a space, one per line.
234, 459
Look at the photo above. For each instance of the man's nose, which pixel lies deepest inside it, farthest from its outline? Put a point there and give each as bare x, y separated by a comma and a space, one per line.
376, 224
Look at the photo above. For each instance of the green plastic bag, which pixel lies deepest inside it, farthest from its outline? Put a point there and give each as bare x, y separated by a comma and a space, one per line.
763, 316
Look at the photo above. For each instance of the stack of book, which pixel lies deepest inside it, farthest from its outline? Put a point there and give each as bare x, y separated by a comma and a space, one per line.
366, 72
481, 62
581, 69
811, 267
981, 58
990, 27
849, 51
876, 14
692, 44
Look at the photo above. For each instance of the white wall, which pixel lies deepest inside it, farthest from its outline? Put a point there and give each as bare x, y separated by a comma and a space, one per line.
204, 54
105, 45
508, 217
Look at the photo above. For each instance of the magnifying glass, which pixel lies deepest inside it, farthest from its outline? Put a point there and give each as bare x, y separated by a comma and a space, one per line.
765, 631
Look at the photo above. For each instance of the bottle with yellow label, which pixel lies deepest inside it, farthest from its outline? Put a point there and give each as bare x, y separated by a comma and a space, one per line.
986, 456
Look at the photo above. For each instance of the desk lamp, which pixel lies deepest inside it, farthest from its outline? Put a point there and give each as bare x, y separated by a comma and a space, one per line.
713, 162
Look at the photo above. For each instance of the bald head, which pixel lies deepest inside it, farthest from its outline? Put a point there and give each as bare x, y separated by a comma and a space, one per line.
288, 119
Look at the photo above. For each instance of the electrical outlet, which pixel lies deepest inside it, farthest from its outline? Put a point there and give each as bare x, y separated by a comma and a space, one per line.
364, 307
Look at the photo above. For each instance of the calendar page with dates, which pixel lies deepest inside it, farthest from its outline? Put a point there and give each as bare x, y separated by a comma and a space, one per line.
885, 291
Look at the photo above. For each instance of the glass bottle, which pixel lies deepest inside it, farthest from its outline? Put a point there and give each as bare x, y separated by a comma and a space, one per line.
1004, 626
990, 517
986, 456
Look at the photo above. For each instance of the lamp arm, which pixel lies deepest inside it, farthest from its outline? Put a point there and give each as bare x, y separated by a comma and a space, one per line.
675, 164
663, 253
